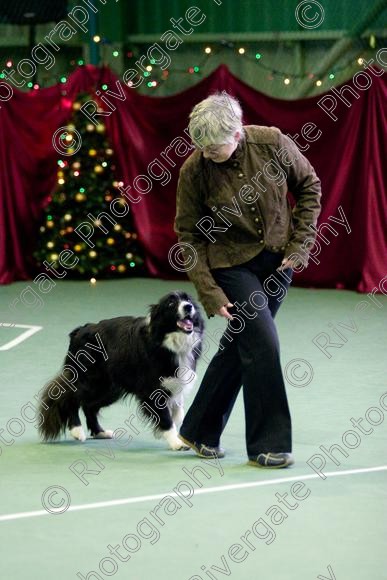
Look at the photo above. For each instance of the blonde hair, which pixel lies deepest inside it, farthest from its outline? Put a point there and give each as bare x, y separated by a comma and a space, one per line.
215, 120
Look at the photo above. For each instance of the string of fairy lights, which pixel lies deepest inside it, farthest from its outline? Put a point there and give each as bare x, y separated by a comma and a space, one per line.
155, 76
260, 59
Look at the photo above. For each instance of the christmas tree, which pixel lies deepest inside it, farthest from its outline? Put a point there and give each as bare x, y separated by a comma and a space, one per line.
86, 187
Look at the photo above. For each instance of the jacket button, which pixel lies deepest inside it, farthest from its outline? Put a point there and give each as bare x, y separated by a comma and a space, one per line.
235, 164
282, 247
261, 242
275, 248
256, 220
249, 197
241, 175
259, 231
253, 209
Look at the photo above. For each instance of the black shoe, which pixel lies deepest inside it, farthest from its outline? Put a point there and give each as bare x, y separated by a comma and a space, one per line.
272, 460
203, 450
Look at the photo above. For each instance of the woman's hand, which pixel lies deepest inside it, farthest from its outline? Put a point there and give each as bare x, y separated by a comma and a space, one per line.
224, 312
286, 263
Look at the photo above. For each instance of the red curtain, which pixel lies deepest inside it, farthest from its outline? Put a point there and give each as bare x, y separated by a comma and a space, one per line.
349, 157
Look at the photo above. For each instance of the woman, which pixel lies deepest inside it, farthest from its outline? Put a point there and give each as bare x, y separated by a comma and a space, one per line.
243, 240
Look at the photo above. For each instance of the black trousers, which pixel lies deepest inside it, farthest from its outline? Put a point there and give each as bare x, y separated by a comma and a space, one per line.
248, 355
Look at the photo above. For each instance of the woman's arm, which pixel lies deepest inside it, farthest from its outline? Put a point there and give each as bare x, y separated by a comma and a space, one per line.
189, 210
305, 186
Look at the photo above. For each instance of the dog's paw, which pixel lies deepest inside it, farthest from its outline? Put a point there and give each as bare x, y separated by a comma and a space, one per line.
178, 446
78, 433
174, 442
107, 434
184, 447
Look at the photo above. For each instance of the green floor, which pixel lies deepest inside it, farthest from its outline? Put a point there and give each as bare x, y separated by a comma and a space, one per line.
338, 531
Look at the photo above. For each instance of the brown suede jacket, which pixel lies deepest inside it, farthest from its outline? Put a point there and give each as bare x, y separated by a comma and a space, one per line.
226, 213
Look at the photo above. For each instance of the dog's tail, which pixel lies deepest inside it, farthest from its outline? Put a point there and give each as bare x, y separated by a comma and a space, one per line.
57, 403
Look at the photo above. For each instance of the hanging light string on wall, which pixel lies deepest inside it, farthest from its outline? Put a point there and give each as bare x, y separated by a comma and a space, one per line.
255, 56
258, 57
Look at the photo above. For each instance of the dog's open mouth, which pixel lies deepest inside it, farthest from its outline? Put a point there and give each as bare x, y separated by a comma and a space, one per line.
186, 324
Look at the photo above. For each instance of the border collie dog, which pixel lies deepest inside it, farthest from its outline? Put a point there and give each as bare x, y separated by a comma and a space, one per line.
152, 358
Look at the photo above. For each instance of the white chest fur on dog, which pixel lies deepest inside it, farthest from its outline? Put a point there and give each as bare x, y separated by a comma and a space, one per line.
180, 342
182, 345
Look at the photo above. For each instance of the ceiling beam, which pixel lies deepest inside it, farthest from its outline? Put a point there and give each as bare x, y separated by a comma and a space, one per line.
239, 37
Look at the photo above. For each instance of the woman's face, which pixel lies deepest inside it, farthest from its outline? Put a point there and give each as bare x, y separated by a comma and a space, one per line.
220, 153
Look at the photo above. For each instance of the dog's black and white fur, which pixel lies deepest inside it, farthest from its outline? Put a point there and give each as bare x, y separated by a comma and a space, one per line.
152, 358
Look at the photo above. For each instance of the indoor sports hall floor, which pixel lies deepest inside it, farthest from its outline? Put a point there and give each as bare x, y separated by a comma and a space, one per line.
335, 528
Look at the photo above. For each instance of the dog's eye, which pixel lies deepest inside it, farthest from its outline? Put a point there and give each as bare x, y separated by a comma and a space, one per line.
170, 304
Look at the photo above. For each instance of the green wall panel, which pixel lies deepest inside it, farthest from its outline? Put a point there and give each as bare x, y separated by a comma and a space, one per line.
153, 16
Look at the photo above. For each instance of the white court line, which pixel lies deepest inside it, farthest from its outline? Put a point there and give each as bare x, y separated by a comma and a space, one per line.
144, 498
23, 336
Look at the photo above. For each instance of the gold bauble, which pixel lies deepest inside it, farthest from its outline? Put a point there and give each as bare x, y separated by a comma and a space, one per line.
93, 254
80, 197
121, 268
92, 152
100, 128
98, 169
90, 127
77, 247
110, 241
